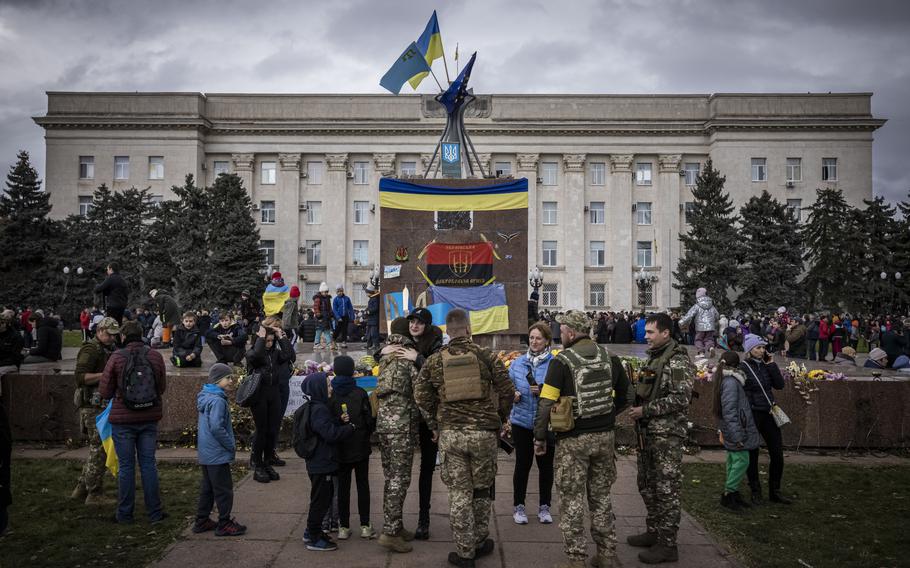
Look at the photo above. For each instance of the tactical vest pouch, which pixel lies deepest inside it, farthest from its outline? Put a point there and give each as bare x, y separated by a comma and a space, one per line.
462, 378
644, 388
562, 418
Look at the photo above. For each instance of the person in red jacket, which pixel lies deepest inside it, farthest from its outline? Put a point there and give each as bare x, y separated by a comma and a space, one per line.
135, 432
85, 319
825, 331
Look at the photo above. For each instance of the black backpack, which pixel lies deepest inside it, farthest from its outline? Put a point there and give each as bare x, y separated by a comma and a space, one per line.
138, 388
304, 439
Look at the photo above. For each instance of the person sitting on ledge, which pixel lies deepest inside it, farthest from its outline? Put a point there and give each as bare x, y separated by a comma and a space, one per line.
50, 339
878, 359
846, 357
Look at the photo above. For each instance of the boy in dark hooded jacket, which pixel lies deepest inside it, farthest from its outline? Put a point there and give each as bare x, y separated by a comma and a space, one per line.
322, 466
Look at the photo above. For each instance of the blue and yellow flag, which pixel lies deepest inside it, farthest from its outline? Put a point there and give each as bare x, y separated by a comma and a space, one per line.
399, 194
107, 439
273, 298
430, 45
486, 305
408, 64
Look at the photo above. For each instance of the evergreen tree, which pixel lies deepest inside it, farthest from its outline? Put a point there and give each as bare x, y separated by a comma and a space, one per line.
902, 258
26, 235
772, 256
712, 245
160, 272
830, 251
189, 244
876, 233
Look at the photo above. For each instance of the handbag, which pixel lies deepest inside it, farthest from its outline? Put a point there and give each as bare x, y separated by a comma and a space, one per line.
246, 392
780, 417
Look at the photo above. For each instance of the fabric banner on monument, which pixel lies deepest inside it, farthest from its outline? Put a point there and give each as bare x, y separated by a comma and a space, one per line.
398, 194
486, 305
460, 264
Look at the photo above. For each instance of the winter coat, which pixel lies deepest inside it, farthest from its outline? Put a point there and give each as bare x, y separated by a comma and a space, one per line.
322, 309
770, 377
215, 440
894, 345
85, 318
640, 330
825, 330
813, 332
342, 307
372, 313
345, 391
188, 341
704, 313
737, 423
167, 309
873, 364
235, 330
845, 360
290, 316
622, 331
115, 290
329, 430
525, 410
269, 362
11, 343
50, 339
111, 380
796, 337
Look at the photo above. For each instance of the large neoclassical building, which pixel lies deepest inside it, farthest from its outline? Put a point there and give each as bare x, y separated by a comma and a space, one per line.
610, 176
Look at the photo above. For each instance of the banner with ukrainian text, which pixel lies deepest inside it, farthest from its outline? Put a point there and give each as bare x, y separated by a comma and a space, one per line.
400, 194
460, 264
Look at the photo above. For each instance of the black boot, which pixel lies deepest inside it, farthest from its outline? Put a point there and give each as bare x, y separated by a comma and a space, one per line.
270, 471
776, 497
738, 497
727, 500
756, 496
646, 539
456, 560
658, 553
276, 461
423, 526
260, 474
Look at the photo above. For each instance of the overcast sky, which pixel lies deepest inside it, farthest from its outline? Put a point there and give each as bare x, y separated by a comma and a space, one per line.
548, 46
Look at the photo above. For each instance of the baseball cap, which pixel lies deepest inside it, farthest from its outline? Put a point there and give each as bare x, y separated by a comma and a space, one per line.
575, 319
109, 325
422, 314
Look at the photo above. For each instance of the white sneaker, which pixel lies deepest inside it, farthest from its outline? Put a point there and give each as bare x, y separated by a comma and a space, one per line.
344, 533
519, 515
543, 515
367, 532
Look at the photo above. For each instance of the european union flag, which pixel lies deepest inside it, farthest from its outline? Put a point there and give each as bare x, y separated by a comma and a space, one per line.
453, 96
408, 64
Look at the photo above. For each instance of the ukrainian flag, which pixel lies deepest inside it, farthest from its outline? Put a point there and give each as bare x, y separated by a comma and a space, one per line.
107, 439
274, 297
398, 194
486, 305
430, 45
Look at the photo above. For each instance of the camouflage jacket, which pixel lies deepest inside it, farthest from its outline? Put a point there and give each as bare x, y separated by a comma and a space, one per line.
485, 413
664, 390
92, 358
397, 412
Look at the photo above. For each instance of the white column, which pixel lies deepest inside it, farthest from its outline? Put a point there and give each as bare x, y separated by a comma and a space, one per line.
385, 165
527, 168
668, 228
620, 186
243, 167
573, 223
287, 217
334, 217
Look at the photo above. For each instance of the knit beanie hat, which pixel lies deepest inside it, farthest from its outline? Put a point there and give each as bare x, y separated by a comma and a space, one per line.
752, 341
218, 372
701, 292
323, 287
295, 292
344, 366
877, 353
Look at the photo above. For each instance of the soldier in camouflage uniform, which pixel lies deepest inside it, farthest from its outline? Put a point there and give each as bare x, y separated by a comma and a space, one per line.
90, 363
585, 455
662, 398
465, 395
397, 419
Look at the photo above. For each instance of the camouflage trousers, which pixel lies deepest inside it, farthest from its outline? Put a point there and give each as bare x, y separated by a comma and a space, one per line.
585, 472
659, 481
397, 453
94, 468
467, 465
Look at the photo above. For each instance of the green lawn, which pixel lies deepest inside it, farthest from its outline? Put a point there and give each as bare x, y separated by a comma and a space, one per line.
843, 516
72, 338
48, 529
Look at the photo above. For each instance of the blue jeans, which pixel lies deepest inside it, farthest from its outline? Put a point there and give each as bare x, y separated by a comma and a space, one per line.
131, 440
321, 330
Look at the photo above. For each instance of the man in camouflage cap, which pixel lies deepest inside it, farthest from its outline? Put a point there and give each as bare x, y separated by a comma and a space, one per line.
90, 363
465, 395
661, 413
585, 376
397, 420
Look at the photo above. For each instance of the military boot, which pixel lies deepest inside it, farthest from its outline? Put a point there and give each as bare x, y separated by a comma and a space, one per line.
646, 539
394, 543
602, 561
79, 493
571, 564
658, 553
405, 534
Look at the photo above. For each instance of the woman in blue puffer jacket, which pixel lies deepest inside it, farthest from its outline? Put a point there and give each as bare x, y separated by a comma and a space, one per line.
528, 373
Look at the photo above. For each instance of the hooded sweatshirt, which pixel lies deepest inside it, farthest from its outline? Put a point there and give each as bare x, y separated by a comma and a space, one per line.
345, 391
329, 430
215, 441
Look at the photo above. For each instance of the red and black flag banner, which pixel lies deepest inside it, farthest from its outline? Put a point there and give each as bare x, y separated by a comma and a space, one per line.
460, 264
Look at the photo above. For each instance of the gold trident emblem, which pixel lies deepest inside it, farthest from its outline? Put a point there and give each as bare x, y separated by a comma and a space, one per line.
460, 262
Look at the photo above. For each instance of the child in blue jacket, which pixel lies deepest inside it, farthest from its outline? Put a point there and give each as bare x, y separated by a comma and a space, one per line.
216, 450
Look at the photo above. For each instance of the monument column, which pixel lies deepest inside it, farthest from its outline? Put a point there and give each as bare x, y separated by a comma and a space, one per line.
527, 168
485, 160
335, 206
385, 166
287, 216
243, 167
573, 223
668, 225
621, 186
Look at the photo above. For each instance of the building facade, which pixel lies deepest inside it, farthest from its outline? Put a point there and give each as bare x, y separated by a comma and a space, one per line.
610, 176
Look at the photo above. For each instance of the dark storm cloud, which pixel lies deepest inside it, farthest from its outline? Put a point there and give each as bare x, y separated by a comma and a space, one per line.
582, 46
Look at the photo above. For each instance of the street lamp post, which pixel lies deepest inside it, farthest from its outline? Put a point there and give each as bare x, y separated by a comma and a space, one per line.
375, 277
897, 277
535, 278
66, 282
643, 280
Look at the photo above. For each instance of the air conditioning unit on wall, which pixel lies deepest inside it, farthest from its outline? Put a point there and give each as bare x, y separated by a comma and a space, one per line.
303, 207
255, 207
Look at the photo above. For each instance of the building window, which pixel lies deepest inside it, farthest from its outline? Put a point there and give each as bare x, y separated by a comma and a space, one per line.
596, 213
598, 173
121, 167
314, 173
829, 169
549, 172
643, 174
692, 169
597, 254
646, 294
550, 212
221, 167
644, 254
310, 289
267, 210
361, 253
549, 253
643, 212
689, 208
503, 169
759, 169
549, 294
361, 173
314, 212
156, 200
156, 167
359, 296
408, 168
86, 167
85, 205
269, 175
598, 295
794, 169
267, 248
361, 212
795, 209
313, 251
451, 220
